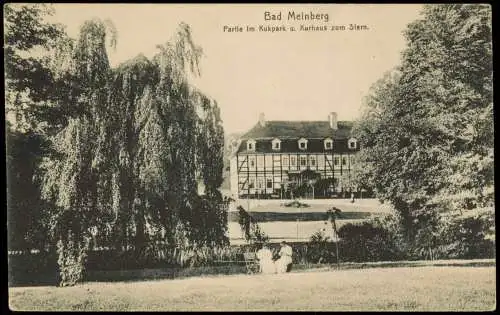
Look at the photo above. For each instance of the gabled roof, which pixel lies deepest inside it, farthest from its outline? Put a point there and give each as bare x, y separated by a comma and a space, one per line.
299, 129
292, 146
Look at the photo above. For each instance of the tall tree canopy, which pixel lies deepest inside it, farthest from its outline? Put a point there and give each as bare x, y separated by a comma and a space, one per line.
30, 83
427, 129
138, 140
125, 150
30, 87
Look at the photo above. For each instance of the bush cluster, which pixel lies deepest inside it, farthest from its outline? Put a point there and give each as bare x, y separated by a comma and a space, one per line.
382, 239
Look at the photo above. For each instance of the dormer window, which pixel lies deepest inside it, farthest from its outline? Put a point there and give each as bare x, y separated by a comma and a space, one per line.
251, 145
276, 143
302, 144
352, 144
328, 144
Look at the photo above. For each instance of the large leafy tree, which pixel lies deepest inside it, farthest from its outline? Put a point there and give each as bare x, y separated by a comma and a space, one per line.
427, 129
26, 224
77, 179
29, 90
30, 83
130, 82
128, 146
167, 138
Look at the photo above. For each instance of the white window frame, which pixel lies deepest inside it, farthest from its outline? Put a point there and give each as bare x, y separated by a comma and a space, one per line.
312, 160
278, 142
251, 145
285, 161
328, 144
302, 141
269, 180
303, 158
352, 144
250, 160
260, 183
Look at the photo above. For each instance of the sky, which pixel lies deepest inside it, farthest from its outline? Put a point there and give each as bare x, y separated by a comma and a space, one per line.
302, 75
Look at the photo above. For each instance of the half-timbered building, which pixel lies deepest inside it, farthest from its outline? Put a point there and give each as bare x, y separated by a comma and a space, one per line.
287, 159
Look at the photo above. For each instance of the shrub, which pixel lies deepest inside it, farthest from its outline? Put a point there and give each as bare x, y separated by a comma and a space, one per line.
320, 249
465, 237
207, 256
442, 237
367, 242
250, 227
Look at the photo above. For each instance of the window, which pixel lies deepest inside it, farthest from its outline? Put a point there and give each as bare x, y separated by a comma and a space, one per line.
285, 161
292, 161
320, 161
352, 159
269, 183
260, 183
260, 161
352, 143
303, 161
336, 160
252, 161
302, 144
251, 145
268, 161
328, 144
276, 144
312, 160
251, 183
344, 160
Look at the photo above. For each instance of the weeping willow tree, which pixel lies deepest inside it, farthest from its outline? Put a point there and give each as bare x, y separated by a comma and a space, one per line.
77, 179
168, 137
181, 144
210, 223
128, 98
138, 141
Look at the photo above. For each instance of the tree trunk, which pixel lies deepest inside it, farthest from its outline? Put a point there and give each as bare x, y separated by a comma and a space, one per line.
337, 251
140, 237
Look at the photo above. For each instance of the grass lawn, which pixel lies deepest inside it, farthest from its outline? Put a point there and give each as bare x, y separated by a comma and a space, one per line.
414, 288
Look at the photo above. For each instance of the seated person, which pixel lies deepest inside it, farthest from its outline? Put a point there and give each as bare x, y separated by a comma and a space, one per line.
284, 263
265, 257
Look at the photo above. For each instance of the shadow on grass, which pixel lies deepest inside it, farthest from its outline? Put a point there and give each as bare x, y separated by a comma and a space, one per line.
302, 216
33, 280
162, 273
182, 273
129, 275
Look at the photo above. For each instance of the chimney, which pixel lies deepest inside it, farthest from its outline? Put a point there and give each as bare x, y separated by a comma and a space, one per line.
332, 119
262, 120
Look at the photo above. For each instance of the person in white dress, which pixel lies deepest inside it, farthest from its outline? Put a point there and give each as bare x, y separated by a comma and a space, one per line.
265, 257
284, 263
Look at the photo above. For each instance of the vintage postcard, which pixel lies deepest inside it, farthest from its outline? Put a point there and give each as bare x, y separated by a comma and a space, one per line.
243, 157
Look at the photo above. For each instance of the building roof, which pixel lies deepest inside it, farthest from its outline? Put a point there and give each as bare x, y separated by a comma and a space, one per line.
292, 146
299, 129
291, 131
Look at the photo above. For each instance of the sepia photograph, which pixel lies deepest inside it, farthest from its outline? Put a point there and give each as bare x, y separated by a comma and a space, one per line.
249, 157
